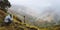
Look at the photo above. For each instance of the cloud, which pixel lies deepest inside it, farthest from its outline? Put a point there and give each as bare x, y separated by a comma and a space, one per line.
39, 6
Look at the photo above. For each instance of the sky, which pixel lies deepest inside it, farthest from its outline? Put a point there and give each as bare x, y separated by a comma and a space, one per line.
32, 3
39, 6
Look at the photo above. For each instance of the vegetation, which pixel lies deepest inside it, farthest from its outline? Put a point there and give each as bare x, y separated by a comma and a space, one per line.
4, 4
18, 25
2, 15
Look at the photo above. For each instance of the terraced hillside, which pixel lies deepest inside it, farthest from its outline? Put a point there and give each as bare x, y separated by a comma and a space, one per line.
17, 24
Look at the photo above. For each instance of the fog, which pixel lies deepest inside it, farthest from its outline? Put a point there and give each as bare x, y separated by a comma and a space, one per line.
38, 8
38, 5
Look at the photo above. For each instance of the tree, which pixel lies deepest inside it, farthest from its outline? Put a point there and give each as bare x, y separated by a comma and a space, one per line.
4, 4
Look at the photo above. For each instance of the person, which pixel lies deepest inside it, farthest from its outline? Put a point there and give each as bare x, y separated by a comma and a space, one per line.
8, 19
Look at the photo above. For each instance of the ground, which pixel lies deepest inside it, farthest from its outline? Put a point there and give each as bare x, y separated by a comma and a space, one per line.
18, 25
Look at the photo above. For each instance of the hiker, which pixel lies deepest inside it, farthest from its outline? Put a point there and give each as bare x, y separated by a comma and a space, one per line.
8, 19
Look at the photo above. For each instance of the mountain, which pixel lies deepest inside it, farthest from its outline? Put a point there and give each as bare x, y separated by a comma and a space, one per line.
48, 16
21, 11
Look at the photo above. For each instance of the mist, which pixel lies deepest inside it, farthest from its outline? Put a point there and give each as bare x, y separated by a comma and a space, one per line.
46, 10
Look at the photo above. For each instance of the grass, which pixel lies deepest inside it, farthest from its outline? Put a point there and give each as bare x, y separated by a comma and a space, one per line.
17, 25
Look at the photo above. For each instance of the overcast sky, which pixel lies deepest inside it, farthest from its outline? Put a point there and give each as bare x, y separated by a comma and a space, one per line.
33, 3
39, 5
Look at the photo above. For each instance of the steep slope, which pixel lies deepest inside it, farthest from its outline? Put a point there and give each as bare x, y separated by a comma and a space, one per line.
18, 25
